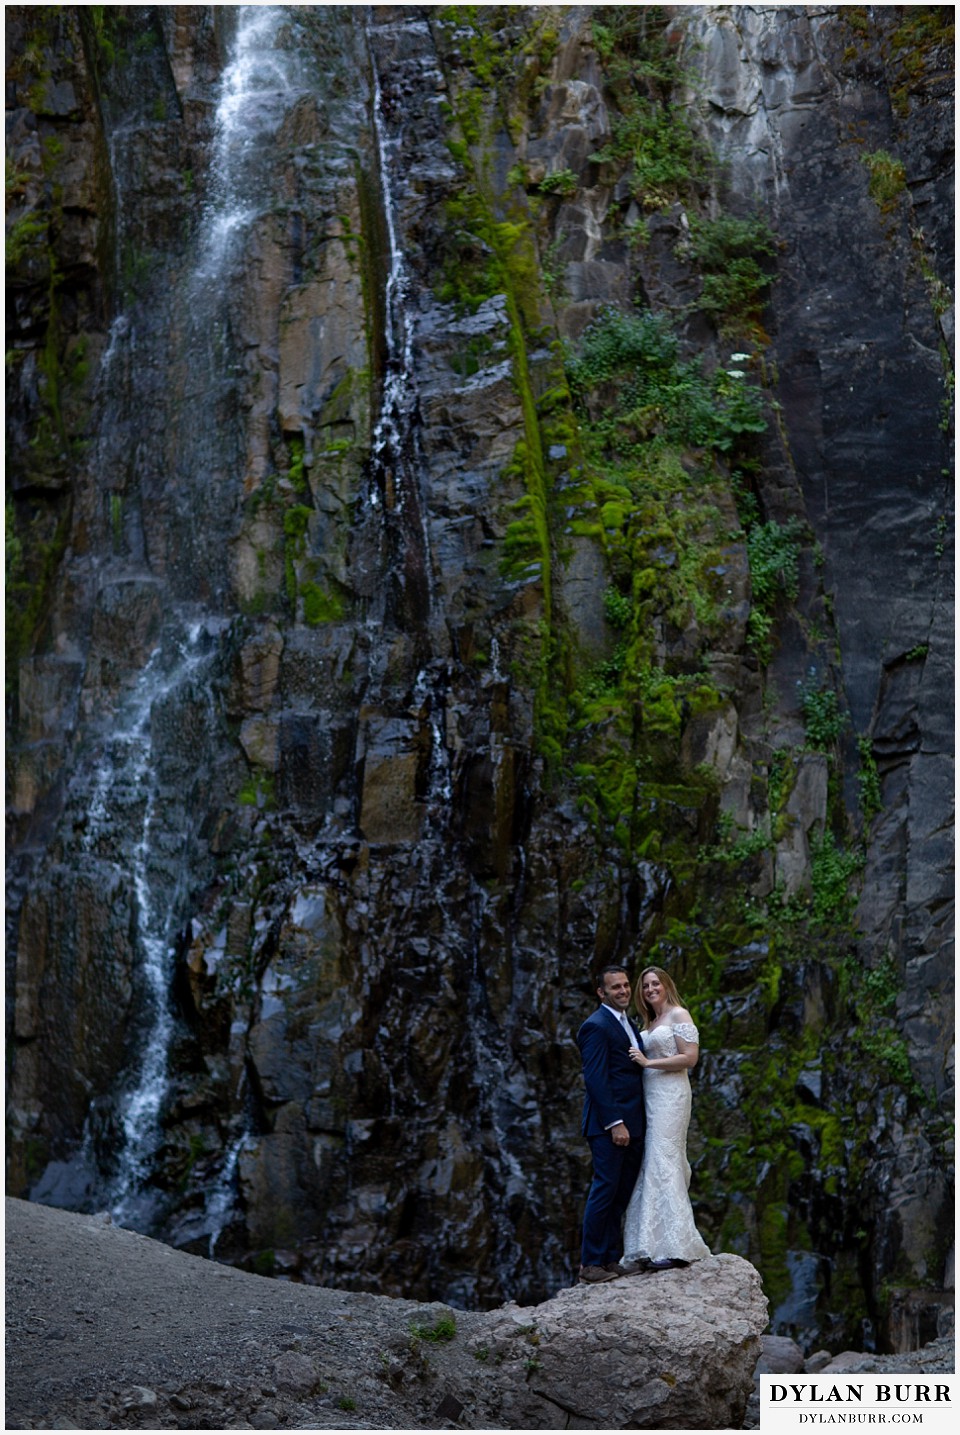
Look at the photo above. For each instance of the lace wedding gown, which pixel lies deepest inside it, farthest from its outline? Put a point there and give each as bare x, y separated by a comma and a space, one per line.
659, 1220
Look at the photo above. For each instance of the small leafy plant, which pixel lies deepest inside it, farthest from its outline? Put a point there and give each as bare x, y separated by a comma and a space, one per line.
444, 1328
562, 181
822, 716
773, 550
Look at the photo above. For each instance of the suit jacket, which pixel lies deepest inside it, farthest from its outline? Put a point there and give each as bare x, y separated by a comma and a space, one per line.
614, 1083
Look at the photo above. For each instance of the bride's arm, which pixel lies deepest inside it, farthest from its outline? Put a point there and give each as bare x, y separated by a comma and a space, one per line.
687, 1053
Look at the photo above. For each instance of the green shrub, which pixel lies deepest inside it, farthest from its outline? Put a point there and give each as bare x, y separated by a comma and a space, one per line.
822, 716
617, 607
730, 253
773, 550
649, 131
831, 871
658, 142
659, 396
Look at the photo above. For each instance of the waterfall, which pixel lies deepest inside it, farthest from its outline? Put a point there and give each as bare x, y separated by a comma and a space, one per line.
395, 459
393, 427
129, 768
429, 699
129, 814
258, 86
221, 1198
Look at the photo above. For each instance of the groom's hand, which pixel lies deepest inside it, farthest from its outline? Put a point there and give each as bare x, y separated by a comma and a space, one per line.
620, 1134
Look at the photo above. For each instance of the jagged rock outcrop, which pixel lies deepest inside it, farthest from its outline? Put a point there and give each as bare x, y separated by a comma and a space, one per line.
111, 1329
385, 657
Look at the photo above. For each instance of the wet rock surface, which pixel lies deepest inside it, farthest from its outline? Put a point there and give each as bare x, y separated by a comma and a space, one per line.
110, 1330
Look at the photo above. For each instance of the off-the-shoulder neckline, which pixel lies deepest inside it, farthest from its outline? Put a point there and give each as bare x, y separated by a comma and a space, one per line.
663, 1021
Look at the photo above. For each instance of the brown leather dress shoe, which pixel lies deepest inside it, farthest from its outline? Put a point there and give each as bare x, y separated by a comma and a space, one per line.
593, 1275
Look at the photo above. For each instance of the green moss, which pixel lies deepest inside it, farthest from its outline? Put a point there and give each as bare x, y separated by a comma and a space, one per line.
468, 360
774, 1226
296, 520
258, 790
297, 472
320, 606
32, 562
617, 607
888, 179
489, 249
23, 235
116, 521
920, 44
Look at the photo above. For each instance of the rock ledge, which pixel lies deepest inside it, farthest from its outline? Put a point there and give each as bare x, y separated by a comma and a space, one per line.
107, 1329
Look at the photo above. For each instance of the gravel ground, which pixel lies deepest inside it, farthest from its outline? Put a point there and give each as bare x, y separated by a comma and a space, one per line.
109, 1330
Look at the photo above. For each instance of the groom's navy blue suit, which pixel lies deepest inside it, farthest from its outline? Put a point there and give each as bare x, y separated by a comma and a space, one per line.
614, 1092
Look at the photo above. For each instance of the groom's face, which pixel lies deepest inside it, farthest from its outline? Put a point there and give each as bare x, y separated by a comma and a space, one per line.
615, 990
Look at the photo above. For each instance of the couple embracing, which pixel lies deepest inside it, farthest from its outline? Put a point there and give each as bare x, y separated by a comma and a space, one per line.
635, 1117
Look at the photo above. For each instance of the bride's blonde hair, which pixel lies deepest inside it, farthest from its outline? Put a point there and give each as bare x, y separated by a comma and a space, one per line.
666, 981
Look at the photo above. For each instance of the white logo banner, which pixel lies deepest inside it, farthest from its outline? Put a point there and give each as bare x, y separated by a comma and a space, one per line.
827, 1404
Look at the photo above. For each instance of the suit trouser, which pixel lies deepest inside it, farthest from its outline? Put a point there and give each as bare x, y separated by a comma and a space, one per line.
615, 1171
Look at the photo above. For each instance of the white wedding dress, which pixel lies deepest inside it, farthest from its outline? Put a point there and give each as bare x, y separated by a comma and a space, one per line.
659, 1221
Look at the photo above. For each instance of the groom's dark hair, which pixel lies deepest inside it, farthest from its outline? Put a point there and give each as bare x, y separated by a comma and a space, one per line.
608, 971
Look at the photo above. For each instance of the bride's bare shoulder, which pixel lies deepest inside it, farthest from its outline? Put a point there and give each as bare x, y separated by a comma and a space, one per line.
680, 1014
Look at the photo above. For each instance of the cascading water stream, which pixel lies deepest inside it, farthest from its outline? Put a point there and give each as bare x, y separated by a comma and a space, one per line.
258, 86
393, 427
128, 769
429, 698
221, 1198
131, 819
395, 459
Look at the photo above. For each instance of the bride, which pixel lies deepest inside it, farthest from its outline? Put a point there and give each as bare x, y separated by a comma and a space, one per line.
659, 1230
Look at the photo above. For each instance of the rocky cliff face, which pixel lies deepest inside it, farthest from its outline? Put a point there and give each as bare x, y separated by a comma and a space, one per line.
479, 511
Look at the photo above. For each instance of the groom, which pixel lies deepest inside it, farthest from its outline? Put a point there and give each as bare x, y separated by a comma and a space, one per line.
613, 1122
